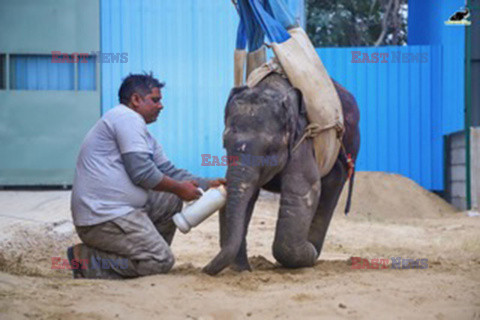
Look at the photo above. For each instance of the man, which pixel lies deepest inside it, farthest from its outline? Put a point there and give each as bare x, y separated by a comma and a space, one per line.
125, 190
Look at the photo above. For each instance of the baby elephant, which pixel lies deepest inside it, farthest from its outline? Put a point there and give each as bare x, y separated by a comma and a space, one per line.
262, 126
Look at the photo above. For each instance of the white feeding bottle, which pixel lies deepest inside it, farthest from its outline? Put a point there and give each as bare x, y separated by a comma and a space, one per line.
195, 212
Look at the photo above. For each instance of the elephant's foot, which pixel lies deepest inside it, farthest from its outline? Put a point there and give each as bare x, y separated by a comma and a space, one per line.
241, 262
241, 267
223, 259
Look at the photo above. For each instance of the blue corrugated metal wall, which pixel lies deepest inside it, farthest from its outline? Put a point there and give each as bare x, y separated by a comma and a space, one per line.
405, 107
188, 44
426, 27
399, 120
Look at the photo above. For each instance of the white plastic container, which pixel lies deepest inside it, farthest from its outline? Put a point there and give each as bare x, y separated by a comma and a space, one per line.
197, 211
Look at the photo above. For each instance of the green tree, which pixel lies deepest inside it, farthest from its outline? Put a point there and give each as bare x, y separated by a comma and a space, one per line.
342, 23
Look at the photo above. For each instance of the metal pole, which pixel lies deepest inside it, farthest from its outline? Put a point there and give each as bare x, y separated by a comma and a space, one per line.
468, 106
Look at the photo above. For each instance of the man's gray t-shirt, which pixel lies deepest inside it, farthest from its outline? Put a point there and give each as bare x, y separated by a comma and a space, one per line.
102, 189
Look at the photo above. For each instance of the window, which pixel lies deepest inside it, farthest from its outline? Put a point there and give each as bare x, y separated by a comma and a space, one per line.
41, 72
37, 72
2, 71
86, 74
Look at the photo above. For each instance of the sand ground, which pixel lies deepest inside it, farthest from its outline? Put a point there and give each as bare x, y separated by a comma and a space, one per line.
391, 217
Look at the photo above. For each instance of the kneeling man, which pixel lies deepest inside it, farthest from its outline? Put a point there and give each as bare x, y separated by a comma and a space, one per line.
125, 190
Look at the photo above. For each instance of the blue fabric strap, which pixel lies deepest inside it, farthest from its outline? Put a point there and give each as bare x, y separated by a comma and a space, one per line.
280, 11
272, 28
241, 36
254, 32
260, 17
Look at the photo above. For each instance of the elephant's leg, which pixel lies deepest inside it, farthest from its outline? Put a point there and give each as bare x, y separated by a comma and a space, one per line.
332, 185
299, 198
241, 261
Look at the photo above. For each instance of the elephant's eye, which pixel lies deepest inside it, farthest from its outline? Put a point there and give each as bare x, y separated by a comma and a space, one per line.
229, 130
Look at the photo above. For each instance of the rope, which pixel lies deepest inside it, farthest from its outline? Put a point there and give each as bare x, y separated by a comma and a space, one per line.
314, 129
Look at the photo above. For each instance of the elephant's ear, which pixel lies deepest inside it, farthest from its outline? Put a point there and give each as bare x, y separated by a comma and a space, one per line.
292, 104
302, 109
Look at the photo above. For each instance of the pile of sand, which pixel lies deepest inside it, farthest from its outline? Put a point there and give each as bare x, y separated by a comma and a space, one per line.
387, 196
30, 250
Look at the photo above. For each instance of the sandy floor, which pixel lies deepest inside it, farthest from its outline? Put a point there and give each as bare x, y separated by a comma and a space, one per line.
392, 217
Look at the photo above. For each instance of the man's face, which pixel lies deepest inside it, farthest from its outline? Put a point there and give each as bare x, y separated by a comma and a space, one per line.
148, 107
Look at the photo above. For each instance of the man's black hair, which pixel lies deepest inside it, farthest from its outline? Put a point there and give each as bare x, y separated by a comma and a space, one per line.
137, 83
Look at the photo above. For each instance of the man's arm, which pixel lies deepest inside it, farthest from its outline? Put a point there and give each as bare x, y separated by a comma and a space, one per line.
166, 166
144, 173
170, 170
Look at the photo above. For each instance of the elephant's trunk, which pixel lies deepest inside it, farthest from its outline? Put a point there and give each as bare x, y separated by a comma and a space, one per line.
241, 185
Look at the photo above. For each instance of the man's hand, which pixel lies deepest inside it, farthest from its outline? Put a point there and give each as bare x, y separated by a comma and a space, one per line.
188, 191
217, 182
185, 190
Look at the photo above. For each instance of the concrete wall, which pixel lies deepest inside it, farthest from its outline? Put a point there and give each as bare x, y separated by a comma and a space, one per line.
455, 169
41, 130
475, 167
455, 174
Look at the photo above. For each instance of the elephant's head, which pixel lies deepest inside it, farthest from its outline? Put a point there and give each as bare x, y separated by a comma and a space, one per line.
260, 124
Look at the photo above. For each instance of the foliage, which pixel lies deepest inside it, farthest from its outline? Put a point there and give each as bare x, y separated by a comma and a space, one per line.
332, 23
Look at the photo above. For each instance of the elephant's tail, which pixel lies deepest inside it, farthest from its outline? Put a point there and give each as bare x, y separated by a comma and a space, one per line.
350, 184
